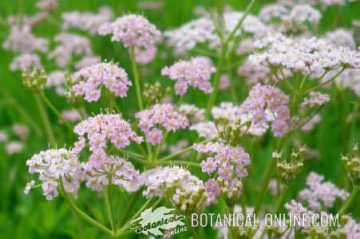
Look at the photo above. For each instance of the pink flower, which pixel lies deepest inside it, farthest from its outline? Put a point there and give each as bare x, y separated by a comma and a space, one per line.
56, 165
88, 81
154, 136
195, 73
229, 164
266, 104
163, 115
115, 170
133, 31
212, 189
100, 129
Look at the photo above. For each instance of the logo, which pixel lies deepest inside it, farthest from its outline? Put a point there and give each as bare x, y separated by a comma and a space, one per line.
159, 222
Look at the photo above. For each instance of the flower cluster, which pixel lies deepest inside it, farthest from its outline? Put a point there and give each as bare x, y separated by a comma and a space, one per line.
286, 18
71, 115
57, 168
21, 40
69, 45
163, 115
112, 170
193, 113
266, 104
202, 30
321, 194
315, 100
341, 37
306, 55
133, 31
195, 72
26, 62
184, 190
87, 21
206, 130
89, 79
101, 128
352, 164
350, 79
228, 165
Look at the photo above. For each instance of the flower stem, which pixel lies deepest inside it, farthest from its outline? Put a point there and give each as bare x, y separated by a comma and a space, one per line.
136, 78
350, 201
280, 200
45, 120
127, 224
326, 82
55, 110
219, 70
265, 184
82, 214
158, 162
184, 150
109, 208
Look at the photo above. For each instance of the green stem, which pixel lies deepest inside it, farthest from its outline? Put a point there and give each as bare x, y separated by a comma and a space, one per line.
219, 70
130, 206
239, 24
281, 199
45, 120
109, 208
265, 184
136, 78
158, 162
127, 224
82, 214
184, 150
55, 110
349, 202
326, 82
133, 155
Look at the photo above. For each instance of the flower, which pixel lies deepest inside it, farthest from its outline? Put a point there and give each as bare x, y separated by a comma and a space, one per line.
341, 37
306, 55
89, 79
56, 167
133, 31
206, 130
350, 79
319, 193
71, 115
266, 104
202, 30
21, 40
87, 21
20, 130
193, 113
14, 147
227, 164
26, 62
101, 128
3, 136
315, 100
145, 55
29, 186
112, 170
195, 72
69, 45
163, 115
285, 18
185, 190
87, 61
57, 80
